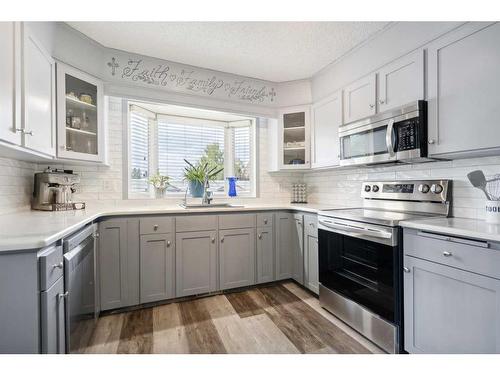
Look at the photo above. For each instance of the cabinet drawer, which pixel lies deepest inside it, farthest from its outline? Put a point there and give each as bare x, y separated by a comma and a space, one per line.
469, 255
152, 225
311, 225
51, 266
195, 223
235, 221
265, 220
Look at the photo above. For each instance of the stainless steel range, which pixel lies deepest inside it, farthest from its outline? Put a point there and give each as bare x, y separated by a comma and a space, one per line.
360, 255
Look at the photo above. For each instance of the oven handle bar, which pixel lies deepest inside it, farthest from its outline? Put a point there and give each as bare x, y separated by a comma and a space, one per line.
388, 138
359, 230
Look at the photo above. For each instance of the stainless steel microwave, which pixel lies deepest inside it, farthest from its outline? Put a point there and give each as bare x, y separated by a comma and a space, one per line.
399, 135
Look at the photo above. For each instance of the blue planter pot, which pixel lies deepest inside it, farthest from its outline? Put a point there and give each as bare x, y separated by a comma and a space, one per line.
196, 189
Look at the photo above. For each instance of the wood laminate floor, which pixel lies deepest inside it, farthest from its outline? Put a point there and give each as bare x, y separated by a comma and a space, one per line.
277, 318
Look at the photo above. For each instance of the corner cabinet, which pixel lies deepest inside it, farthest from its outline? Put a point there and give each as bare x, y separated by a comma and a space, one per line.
326, 118
294, 138
463, 92
80, 107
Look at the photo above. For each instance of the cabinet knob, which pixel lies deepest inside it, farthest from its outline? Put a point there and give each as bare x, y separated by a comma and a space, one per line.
381, 101
19, 130
169, 243
372, 106
265, 221
222, 239
406, 269
28, 132
432, 141
260, 236
63, 295
447, 254
155, 227
213, 239
59, 265
97, 234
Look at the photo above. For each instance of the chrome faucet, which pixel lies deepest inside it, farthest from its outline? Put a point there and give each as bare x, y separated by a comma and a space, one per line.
208, 195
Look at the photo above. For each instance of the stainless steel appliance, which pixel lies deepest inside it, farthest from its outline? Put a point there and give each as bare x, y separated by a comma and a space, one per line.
399, 135
361, 257
54, 190
80, 288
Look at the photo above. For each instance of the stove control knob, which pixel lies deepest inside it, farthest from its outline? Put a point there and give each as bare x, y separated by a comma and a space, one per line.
375, 188
367, 188
436, 188
423, 188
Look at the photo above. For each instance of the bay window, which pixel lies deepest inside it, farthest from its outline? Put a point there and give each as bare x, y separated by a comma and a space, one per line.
159, 143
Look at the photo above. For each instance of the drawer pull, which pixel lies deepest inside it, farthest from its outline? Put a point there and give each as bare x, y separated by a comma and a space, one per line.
58, 265
155, 227
406, 269
265, 221
447, 254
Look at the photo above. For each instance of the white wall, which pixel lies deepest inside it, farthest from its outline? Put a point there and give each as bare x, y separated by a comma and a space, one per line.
16, 184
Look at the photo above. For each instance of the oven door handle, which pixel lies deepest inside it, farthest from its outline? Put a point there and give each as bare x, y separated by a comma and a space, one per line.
358, 230
388, 137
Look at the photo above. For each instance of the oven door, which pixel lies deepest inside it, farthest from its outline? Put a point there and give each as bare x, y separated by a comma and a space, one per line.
360, 262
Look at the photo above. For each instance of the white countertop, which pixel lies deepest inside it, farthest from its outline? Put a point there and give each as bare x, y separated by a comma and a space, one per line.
29, 229
460, 227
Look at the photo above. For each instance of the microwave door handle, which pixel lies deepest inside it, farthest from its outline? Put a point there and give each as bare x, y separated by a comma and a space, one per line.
388, 137
363, 231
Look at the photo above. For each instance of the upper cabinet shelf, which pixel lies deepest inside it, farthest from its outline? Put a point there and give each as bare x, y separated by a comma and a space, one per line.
80, 115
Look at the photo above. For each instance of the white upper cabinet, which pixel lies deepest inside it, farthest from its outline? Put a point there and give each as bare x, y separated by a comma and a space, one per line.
9, 76
294, 138
326, 118
401, 82
464, 93
80, 122
360, 99
38, 96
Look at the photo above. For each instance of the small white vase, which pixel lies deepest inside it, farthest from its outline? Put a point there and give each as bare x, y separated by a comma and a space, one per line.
492, 212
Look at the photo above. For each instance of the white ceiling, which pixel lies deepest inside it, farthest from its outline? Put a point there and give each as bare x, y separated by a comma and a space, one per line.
274, 51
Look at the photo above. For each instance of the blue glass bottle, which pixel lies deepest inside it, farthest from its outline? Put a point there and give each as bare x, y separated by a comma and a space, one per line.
232, 186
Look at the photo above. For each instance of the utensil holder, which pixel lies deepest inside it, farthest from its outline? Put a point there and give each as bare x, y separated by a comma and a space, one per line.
492, 212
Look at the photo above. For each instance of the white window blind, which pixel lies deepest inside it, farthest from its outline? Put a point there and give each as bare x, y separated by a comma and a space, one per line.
193, 142
139, 152
242, 138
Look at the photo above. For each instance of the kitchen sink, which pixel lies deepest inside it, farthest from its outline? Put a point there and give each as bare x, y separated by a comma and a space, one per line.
211, 205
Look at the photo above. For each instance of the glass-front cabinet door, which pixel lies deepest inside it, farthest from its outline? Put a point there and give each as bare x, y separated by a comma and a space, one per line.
80, 115
294, 148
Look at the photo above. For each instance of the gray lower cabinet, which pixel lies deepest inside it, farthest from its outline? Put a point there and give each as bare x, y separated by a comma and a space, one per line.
119, 263
448, 310
284, 264
157, 267
311, 256
265, 255
298, 248
236, 258
196, 262
52, 303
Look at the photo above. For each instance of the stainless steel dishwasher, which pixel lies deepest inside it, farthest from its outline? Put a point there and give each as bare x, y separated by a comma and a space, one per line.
80, 288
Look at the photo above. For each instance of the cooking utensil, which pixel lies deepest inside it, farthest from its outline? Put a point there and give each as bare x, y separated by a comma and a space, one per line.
478, 180
493, 187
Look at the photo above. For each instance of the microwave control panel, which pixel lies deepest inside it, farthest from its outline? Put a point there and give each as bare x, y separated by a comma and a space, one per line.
406, 133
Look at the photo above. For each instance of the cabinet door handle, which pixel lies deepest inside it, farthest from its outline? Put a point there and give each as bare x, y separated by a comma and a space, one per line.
222, 239
406, 269
260, 236
372, 106
58, 265
63, 295
155, 227
447, 254
19, 130
169, 243
432, 141
381, 101
265, 221
213, 239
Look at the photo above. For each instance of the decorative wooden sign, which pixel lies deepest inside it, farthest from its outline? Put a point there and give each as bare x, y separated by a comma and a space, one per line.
167, 75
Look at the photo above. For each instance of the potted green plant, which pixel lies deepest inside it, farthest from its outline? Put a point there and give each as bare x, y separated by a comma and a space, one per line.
196, 175
160, 183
